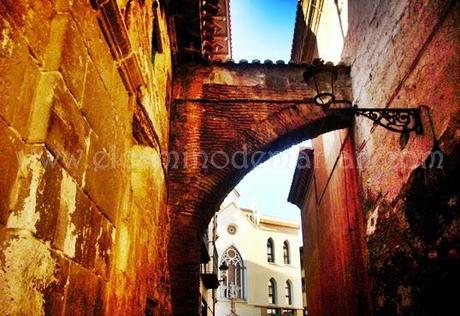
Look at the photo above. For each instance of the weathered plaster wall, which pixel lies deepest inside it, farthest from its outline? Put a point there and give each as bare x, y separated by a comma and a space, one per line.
83, 222
404, 54
336, 282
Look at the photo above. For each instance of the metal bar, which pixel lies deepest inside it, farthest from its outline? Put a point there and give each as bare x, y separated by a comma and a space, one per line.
245, 100
400, 120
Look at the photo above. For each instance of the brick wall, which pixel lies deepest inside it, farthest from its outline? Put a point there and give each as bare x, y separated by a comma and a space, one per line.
226, 119
404, 54
83, 222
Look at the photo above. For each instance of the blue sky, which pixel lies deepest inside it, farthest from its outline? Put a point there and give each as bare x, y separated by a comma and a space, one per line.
262, 29
266, 188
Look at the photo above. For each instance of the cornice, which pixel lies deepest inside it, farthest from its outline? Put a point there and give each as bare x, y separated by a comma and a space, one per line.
115, 31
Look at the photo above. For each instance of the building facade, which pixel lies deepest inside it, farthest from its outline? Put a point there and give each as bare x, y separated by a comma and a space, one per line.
367, 241
261, 253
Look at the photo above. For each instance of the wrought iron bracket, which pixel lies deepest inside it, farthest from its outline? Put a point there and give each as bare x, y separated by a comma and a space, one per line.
399, 120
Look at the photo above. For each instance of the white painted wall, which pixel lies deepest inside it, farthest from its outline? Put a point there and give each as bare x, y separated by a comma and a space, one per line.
330, 39
251, 241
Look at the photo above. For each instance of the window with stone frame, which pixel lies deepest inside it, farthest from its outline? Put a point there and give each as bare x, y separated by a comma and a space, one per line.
233, 281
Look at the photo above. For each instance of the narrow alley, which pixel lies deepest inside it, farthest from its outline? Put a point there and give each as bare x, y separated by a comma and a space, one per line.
125, 125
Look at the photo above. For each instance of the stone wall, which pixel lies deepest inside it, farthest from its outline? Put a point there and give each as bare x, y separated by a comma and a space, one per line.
405, 54
83, 122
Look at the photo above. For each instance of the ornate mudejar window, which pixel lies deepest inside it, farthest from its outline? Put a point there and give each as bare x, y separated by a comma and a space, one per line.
233, 282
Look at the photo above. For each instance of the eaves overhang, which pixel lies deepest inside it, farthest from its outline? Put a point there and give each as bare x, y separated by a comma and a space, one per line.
302, 178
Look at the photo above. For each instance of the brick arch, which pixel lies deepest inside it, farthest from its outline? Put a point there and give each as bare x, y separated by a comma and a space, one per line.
224, 180
244, 113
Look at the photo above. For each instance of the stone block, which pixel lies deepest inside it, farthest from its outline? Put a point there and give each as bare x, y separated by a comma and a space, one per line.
48, 196
10, 146
23, 213
53, 53
25, 92
41, 107
96, 96
84, 293
18, 78
86, 229
26, 16
112, 124
82, 233
63, 5
92, 233
55, 293
80, 226
73, 209
103, 245
68, 133
27, 269
119, 95
74, 60
147, 178
33, 197
105, 178
93, 245
86, 20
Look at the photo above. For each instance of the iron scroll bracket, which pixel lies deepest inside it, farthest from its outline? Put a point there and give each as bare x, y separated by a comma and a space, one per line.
399, 120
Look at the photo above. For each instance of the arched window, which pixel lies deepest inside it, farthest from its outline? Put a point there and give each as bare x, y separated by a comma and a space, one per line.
272, 291
286, 252
288, 289
233, 282
270, 250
